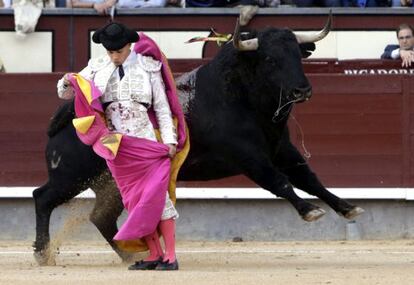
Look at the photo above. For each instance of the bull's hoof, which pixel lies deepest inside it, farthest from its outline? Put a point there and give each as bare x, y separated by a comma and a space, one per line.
43, 258
353, 213
314, 215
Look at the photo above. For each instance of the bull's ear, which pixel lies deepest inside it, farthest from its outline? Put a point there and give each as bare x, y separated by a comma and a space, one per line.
307, 49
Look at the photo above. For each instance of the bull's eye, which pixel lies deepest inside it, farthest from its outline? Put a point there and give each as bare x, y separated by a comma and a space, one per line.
297, 93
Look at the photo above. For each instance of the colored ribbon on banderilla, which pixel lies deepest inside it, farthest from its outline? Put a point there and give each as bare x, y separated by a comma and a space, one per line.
215, 37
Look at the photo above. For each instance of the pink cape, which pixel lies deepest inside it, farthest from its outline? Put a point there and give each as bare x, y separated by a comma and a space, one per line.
146, 46
140, 167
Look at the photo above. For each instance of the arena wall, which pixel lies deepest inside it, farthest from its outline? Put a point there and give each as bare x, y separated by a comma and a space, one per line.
358, 125
225, 220
358, 128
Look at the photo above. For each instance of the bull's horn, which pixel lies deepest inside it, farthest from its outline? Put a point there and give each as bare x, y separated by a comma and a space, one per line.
246, 45
247, 12
311, 38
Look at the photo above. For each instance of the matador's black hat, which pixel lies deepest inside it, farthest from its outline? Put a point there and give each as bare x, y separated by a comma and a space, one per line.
115, 36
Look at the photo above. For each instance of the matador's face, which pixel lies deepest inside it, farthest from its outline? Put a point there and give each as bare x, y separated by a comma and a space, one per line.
119, 56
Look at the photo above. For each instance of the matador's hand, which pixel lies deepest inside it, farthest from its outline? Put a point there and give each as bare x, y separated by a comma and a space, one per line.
66, 79
172, 150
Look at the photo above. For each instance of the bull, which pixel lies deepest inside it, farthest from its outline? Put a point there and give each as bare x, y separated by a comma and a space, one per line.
236, 107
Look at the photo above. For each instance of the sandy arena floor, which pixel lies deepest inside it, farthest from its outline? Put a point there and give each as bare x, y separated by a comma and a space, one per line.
367, 262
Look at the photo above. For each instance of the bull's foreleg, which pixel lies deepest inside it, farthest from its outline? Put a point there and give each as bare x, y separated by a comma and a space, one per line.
46, 198
293, 165
108, 207
260, 169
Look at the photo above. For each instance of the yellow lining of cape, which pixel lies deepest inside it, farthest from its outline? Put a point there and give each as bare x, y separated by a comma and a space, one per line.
83, 124
85, 87
112, 142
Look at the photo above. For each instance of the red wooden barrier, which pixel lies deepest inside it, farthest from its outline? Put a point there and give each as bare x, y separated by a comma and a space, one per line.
357, 127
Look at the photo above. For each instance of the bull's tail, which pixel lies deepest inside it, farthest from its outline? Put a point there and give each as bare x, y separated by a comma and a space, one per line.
62, 117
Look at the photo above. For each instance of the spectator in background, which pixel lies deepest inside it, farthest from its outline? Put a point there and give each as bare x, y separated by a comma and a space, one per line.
176, 3
406, 3
5, 3
214, 3
234, 3
27, 13
365, 3
103, 6
317, 3
26, 16
405, 47
60, 3
141, 3
402, 3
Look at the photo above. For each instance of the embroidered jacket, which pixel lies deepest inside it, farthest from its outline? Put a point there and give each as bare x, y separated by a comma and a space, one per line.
127, 99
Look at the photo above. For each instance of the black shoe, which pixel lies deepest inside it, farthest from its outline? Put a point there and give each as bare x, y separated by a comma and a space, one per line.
165, 265
144, 265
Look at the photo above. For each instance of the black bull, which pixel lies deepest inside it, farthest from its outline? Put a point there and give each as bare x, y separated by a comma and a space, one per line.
236, 107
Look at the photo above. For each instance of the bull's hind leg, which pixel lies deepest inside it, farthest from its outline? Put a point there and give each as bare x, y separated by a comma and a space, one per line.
257, 166
47, 198
293, 165
108, 207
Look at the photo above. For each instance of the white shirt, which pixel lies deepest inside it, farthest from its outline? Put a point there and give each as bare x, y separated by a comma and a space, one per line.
141, 3
395, 53
7, 3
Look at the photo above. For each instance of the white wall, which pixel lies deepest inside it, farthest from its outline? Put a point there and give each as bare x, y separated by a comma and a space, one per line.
34, 53
172, 44
354, 44
30, 54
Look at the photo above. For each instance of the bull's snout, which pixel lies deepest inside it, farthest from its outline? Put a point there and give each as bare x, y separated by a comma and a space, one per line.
302, 93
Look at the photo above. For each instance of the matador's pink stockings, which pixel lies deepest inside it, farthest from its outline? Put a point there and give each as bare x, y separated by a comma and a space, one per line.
154, 246
167, 229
